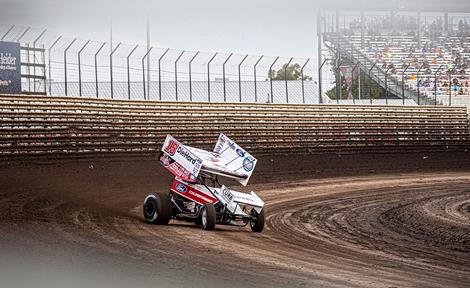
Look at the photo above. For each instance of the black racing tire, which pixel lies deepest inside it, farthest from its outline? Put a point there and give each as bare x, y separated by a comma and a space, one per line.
208, 217
158, 208
198, 221
257, 220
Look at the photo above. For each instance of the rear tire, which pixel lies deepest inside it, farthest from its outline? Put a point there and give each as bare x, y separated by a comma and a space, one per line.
158, 208
208, 217
257, 220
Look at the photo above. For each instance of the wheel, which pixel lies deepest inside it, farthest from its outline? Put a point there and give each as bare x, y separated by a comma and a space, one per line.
198, 221
257, 220
208, 217
158, 208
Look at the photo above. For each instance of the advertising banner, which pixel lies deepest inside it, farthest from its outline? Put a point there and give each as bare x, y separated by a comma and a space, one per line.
10, 68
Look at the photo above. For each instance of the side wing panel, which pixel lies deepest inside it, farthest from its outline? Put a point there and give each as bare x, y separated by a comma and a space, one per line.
180, 160
234, 158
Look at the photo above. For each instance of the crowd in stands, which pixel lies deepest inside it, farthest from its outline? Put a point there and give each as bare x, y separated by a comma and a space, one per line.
441, 55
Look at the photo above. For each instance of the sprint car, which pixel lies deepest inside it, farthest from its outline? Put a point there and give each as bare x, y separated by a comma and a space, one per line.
196, 194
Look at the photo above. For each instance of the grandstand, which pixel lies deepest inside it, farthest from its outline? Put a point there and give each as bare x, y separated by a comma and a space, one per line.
429, 63
61, 126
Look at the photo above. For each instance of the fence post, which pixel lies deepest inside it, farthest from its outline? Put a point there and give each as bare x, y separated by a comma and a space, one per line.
223, 75
254, 68
176, 74
129, 72
8, 32
302, 79
320, 27
49, 56
111, 68
338, 76
209, 78
435, 83
80, 68
403, 83
143, 71
190, 77
320, 88
271, 78
285, 78
352, 82
386, 86
34, 58
417, 80
240, 77
96, 68
23, 34
160, 74
370, 78
65, 64
450, 87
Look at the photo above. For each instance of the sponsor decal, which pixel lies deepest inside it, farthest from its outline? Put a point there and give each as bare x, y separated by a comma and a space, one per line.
182, 155
227, 195
186, 154
180, 187
176, 168
248, 164
240, 152
192, 193
171, 147
180, 172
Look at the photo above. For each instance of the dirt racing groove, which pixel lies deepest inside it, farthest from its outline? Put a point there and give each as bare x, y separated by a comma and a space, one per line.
410, 228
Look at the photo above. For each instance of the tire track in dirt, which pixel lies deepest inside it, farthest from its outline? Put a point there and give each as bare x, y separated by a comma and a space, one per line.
376, 231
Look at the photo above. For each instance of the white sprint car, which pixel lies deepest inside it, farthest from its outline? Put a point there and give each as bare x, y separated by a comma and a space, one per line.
196, 194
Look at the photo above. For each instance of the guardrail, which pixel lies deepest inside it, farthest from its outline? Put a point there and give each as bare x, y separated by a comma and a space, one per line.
32, 125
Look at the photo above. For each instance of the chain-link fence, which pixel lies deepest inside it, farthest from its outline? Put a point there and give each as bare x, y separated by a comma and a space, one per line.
78, 67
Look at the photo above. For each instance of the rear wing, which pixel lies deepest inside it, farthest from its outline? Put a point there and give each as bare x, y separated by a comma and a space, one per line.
228, 159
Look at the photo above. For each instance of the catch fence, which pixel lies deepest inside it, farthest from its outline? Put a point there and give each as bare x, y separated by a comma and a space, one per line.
92, 69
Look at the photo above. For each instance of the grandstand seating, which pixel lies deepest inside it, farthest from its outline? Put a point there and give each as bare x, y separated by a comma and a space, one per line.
439, 56
73, 126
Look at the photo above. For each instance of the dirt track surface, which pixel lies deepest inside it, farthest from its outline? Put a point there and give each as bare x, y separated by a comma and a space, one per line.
388, 221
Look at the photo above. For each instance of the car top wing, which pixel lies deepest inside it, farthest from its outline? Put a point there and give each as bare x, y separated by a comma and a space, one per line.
228, 159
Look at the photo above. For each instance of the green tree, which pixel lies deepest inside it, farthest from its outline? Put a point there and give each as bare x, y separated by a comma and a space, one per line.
369, 89
293, 73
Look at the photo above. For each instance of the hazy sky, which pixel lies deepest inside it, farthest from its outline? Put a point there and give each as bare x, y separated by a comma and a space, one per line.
244, 26
270, 27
